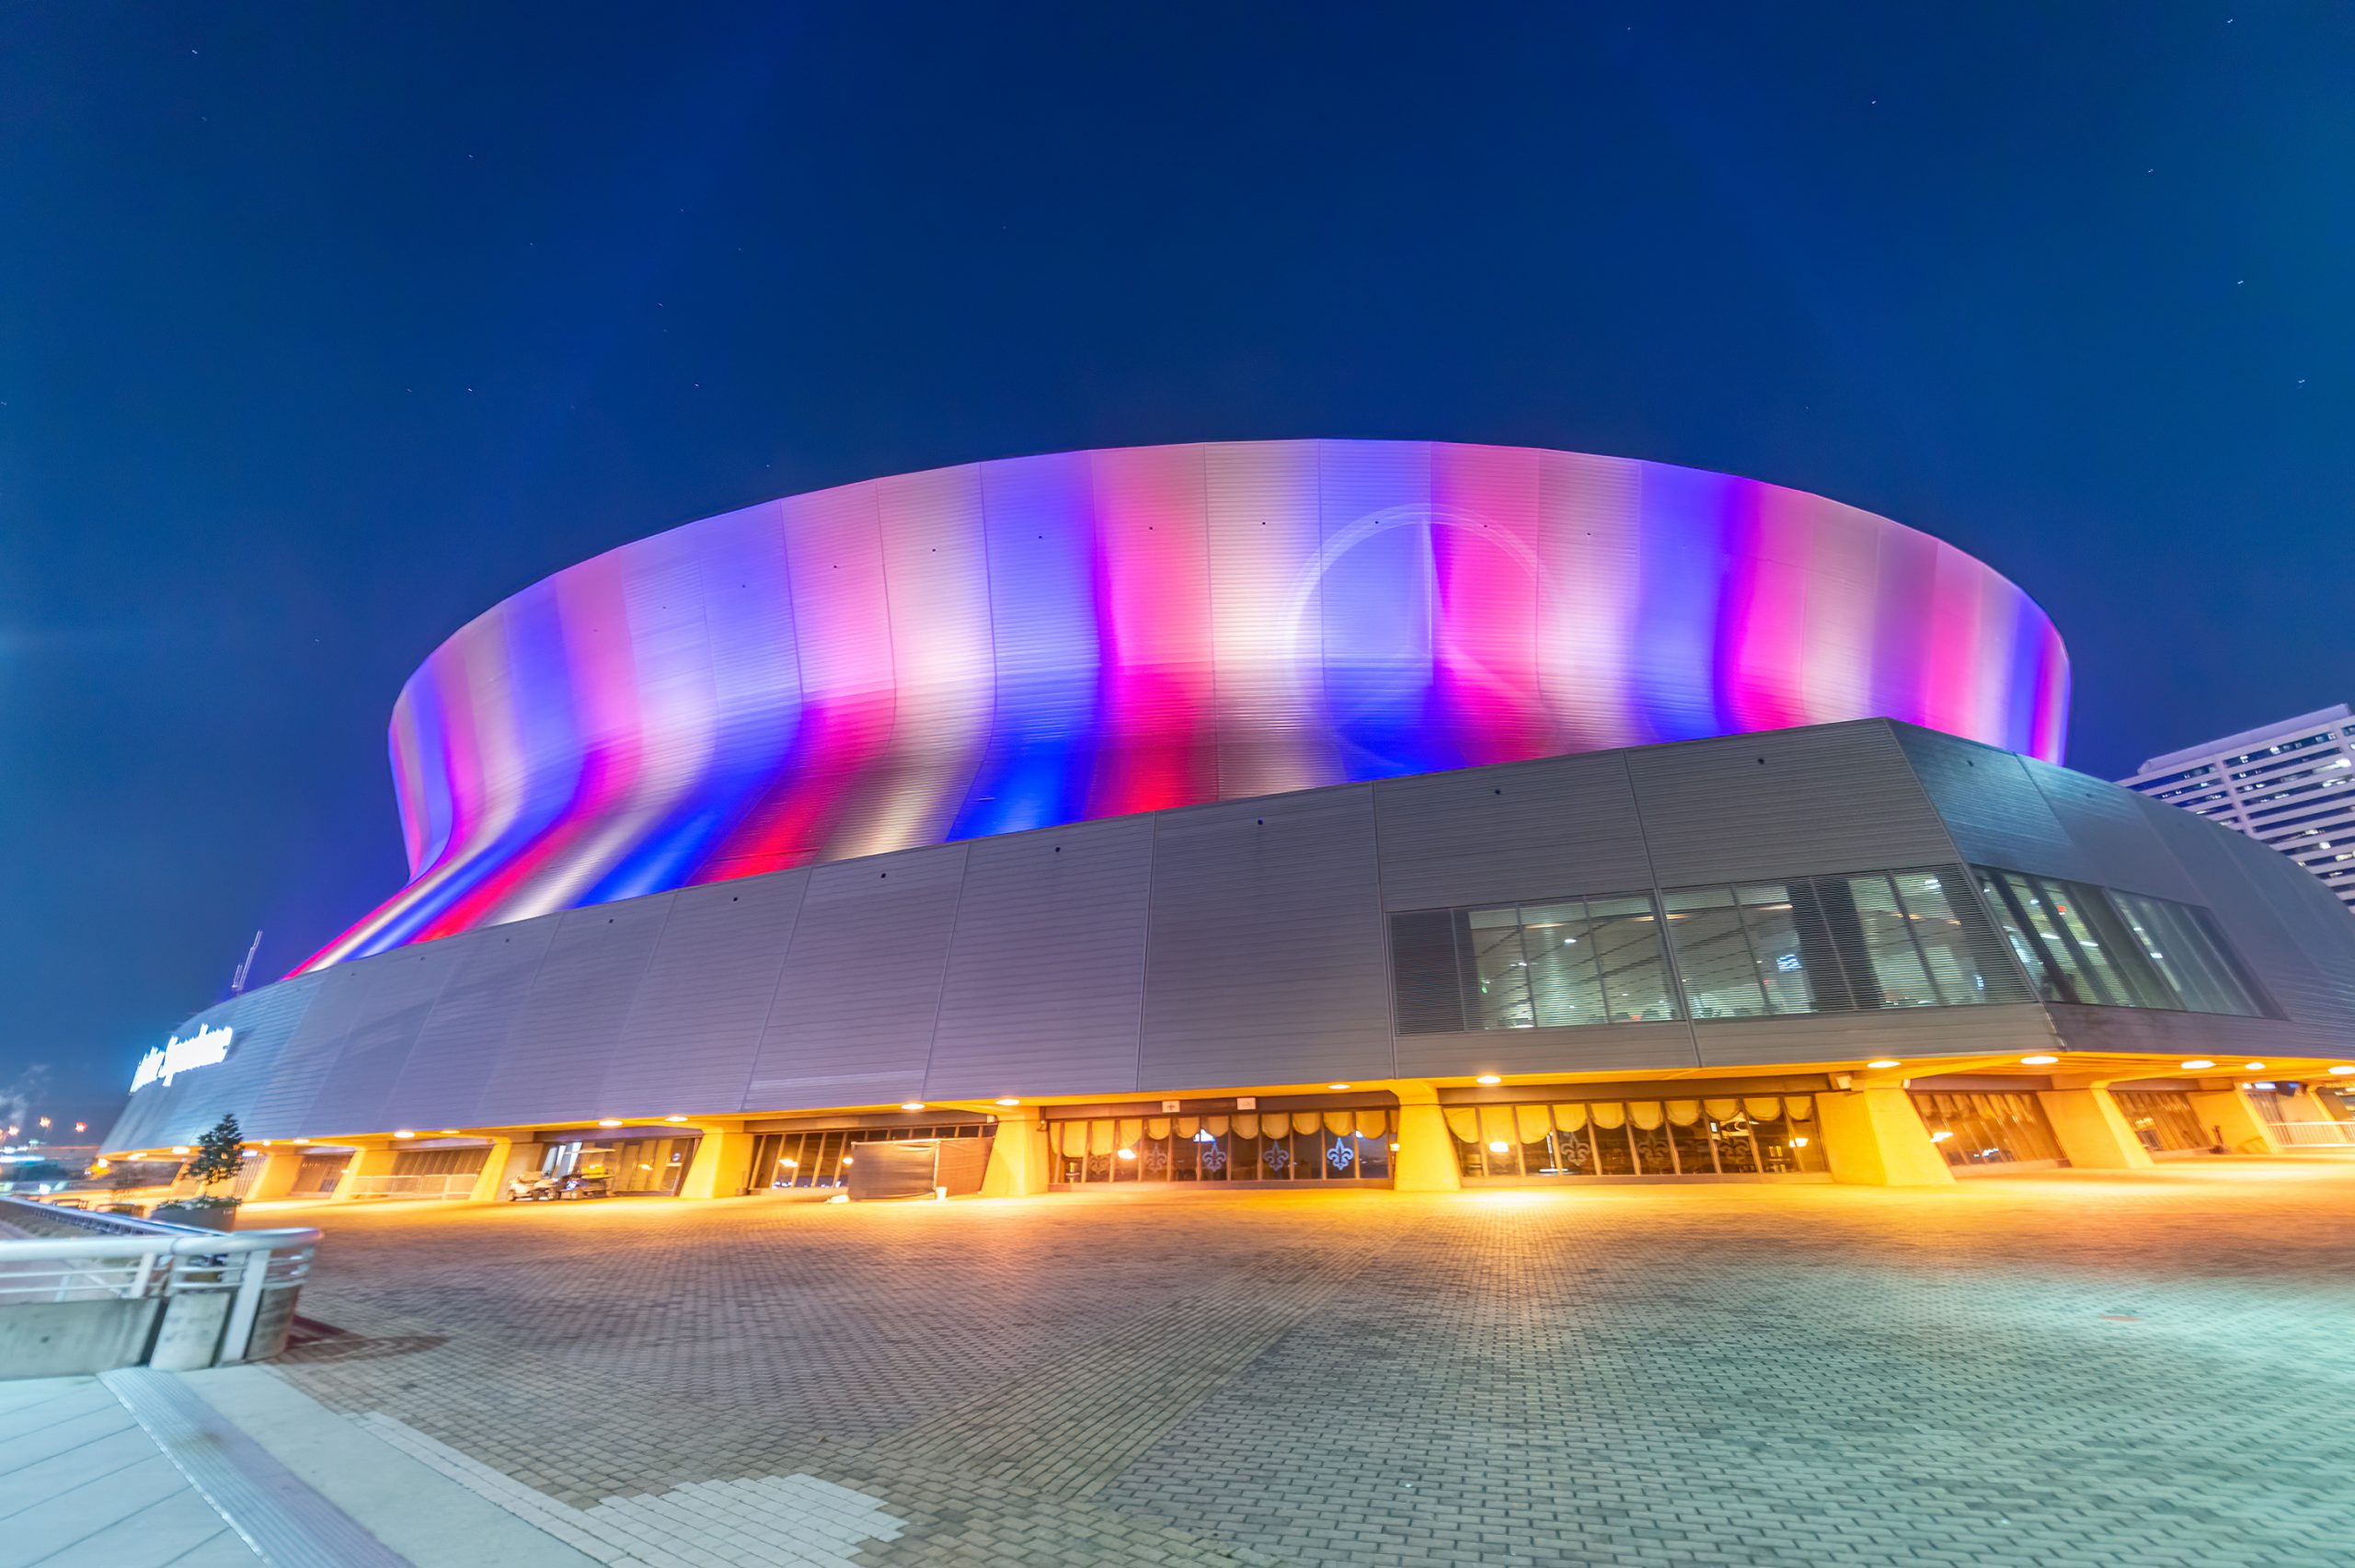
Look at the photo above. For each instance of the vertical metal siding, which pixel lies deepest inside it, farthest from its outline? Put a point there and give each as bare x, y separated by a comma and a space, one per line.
1045, 979
465, 1039
1835, 798
1266, 960
353, 1093
562, 1043
1992, 806
1527, 830
854, 1013
311, 1050
694, 1026
2111, 827
1615, 1048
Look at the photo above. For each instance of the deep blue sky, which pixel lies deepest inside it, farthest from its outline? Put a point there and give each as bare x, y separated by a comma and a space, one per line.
323, 327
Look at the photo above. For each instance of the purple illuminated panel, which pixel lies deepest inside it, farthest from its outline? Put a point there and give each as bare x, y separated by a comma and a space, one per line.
1012, 645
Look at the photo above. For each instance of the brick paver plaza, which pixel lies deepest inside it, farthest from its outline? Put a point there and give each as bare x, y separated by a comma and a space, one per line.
2147, 1368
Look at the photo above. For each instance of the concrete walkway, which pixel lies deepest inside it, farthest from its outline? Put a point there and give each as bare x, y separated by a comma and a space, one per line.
229, 1468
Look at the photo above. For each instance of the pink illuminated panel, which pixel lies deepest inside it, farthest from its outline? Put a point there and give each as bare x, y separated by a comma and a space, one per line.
1039, 640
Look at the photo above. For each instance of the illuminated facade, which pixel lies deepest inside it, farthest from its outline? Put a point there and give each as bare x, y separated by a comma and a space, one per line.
1351, 812
1036, 641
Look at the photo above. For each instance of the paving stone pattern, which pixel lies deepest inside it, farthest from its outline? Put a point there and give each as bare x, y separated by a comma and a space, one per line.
2056, 1370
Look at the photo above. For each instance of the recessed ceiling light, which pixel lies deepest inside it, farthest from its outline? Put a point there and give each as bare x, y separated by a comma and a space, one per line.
2341, 1071
1336, 1086
912, 1105
675, 1118
609, 1121
405, 1133
2196, 1065
1488, 1078
1007, 1100
2038, 1062
2252, 1067
1884, 1062
1499, 1147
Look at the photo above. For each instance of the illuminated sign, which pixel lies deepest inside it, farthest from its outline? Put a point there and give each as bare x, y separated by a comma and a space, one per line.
177, 1056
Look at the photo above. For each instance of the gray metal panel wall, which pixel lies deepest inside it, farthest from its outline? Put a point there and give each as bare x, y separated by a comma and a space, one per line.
465, 1039
178, 1112
2228, 1042
1523, 832
1266, 961
2112, 827
570, 1027
284, 1104
400, 993
1616, 1047
1045, 985
694, 1026
1838, 798
1908, 1034
1992, 806
854, 1013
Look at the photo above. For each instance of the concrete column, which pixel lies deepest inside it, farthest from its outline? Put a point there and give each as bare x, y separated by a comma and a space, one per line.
1425, 1161
278, 1165
2225, 1113
1874, 1137
1018, 1160
368, 1161
723, 1157
504, 1159
2092, 1130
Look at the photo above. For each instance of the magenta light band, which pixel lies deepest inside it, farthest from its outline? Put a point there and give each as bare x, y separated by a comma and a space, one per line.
1017, 644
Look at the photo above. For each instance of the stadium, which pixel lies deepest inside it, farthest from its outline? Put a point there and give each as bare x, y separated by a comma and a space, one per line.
1355, 813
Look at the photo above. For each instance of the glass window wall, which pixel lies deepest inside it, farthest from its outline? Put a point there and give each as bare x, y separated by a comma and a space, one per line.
2101, 947
1343, 1145
1974, 1129
821, 1158
1744, 1134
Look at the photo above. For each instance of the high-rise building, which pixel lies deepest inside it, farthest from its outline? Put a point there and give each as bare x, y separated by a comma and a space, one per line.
2290, 784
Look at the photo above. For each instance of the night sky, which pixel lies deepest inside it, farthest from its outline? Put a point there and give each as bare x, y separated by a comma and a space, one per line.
324, 328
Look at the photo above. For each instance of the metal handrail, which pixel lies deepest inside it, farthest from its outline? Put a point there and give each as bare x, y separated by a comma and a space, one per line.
2314, 1134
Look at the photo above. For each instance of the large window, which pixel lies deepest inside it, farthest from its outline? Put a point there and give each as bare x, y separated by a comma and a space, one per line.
1910, 938
1748, 1135
2106, 948
821, 1158
1315, 1145
1976, 1129
2162, 1119
1564, 962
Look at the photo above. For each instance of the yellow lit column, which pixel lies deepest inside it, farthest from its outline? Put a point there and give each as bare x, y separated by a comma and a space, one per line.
1425, 1162
367, 1161
500, 1161
279, 1165
1018, 1166
2225, 1113
1874, 1137
2092, 1130
723, 1162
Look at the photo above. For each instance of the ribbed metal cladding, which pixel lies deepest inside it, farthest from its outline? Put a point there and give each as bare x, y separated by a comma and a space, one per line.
855, 1011
572, 1023
465, 1040
389, 1021
2112, 827
1756, 804
1267, 946
1991, 807
695, 1025
1045, 986
1524, 830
